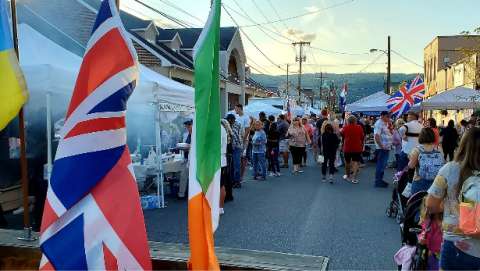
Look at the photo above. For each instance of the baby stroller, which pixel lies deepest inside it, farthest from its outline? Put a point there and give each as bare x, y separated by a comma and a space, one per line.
396, 208
410, 228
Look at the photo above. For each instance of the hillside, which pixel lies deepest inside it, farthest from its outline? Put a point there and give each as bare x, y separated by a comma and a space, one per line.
360, 84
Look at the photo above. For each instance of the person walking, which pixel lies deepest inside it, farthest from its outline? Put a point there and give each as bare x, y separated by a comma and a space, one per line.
426, 160
298, 139
237, 149
282, 127
432, 123
223, 165
397, 142
273, 138
330, 143
309, 129
228, 156
449, 140
383, 143
353, 139
259, 143
459, 251
409, 133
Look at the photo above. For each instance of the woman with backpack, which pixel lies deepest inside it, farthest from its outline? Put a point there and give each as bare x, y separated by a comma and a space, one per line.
458, 179
426, 160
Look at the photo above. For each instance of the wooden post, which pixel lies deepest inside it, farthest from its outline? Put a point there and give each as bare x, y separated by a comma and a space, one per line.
23, 152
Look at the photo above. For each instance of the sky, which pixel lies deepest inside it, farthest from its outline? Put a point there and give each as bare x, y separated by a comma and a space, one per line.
343, 26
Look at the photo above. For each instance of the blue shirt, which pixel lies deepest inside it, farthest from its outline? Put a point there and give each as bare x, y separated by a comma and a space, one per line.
259, 142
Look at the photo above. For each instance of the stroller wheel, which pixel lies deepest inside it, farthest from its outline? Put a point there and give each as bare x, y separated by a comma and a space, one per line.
388, 212
398, 217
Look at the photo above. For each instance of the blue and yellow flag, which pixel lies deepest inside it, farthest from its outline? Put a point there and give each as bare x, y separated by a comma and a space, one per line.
13, 92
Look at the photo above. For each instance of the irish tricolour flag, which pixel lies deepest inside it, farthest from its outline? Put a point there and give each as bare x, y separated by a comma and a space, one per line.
204, 182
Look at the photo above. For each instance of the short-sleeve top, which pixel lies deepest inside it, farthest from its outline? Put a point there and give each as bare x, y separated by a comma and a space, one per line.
381, 129
445, 187
298, 136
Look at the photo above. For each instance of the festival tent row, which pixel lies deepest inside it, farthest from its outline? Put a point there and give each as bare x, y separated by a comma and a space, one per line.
50, 72
456, 99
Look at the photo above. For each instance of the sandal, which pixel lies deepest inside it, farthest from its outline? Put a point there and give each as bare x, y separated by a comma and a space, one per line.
354, 181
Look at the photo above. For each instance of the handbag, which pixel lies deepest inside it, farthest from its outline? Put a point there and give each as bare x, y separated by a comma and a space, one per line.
407, 191
469, 206
320, 159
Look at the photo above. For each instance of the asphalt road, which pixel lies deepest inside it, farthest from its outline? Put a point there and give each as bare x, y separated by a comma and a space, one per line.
299, 214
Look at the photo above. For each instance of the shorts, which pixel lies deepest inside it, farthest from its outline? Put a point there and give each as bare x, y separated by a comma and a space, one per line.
283, 145
352, 156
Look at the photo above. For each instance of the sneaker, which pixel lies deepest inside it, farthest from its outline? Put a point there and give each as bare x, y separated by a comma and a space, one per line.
271, 174
324, 178
346, 178
222, 211
300, 171
330, 179
278, 174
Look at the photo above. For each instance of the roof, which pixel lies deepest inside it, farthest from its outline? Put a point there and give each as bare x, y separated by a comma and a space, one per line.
189, 36
172, 56
132, 22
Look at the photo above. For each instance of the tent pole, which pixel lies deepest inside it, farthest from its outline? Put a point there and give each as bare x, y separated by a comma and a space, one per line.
23, 153
158, 150
49, 135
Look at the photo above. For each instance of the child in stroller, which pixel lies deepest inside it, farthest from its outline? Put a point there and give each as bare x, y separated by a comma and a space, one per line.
421, 236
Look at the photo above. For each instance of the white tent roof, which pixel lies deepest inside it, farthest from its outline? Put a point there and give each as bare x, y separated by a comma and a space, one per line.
455, 99
257, 107
49, 67
376, 102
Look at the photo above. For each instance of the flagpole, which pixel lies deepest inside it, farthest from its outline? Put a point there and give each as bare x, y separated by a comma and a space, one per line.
23, 153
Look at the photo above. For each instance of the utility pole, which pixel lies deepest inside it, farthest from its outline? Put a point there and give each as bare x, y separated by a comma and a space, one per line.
388, 68
288, 83
300, 59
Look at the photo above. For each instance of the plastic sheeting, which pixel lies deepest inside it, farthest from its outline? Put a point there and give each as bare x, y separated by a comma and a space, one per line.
456, 99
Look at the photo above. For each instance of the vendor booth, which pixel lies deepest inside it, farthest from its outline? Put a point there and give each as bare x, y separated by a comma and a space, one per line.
158, 106
255, 108
456, 104
371, 105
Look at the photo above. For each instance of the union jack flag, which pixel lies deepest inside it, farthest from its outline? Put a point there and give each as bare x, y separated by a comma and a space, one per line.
92, 217
407, 96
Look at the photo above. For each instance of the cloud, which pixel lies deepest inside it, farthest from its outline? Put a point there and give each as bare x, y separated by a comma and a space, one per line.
312, 9
299, 34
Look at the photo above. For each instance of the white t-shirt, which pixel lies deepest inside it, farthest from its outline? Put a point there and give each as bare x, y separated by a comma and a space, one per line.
381, 129
410, 142
223, 150
243, 120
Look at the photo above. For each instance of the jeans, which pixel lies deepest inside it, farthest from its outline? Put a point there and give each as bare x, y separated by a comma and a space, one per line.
328, 160
382, 160
237, 159
421, 185
259, 167
452, 258
273, 164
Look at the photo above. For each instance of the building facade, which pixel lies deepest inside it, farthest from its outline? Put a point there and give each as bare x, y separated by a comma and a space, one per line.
450, 62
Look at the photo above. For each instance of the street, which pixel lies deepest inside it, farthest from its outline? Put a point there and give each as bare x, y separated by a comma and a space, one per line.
302, 215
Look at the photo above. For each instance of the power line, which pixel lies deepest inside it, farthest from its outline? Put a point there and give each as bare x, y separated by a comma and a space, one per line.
370, 64
251, 41
246, 16
263, 15
407, 59
338, 52
301, 15
172, 5
276, 12
171, 18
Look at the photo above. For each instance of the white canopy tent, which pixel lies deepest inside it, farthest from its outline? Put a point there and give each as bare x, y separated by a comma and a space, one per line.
50, 72
456, 99
376, 102
255, 108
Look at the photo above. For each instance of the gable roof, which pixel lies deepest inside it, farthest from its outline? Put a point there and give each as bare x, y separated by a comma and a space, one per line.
189, 36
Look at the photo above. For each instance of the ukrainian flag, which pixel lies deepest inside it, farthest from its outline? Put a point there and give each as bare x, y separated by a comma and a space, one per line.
13, 92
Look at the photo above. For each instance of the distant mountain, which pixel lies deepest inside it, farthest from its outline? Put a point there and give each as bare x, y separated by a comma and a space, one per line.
359, 84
